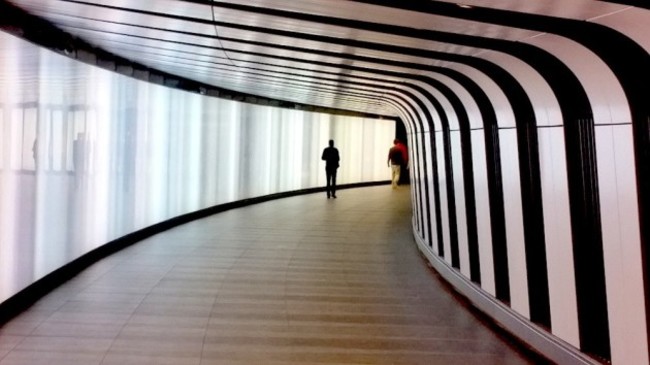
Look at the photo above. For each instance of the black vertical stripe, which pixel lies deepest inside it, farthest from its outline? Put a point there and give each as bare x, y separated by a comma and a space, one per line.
451, 200
533, 216
436, 191
470, 207
587, 236
642, 149
497, 214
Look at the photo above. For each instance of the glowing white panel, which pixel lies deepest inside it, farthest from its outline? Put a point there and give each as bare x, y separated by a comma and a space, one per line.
210, 150
514, 222
621, 244
156, 141
557, 231
88, 156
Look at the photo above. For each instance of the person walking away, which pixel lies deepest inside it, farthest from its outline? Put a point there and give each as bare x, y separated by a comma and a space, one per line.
331, 158
395, 161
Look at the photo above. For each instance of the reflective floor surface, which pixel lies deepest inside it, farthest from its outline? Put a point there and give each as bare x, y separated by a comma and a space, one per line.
301, 280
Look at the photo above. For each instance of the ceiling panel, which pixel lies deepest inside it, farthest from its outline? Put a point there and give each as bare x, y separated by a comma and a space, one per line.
304, 50
361, 12
575, 9
106, 7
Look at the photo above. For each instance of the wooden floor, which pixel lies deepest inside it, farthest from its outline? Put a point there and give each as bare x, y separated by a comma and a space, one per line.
301, 280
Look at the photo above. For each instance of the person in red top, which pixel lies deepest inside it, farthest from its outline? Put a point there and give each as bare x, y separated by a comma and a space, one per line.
397, 157
405, 154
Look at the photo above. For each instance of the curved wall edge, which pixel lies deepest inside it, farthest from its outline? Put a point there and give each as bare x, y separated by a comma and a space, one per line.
22, 300
522, 329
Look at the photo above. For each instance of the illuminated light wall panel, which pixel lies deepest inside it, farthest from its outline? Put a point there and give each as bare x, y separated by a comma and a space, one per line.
88, 156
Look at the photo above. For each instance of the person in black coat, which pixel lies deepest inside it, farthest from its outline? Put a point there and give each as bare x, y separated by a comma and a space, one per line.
331, 158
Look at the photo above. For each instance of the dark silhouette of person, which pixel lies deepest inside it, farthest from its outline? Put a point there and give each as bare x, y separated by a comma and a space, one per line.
331, 158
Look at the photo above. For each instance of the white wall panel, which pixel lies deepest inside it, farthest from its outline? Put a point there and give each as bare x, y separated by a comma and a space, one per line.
608, 102
449, 111
469, 104
502, 108
621, 244
483, 221
422, 113
557, 231
545, 104
514, 222
461, 211
433, 112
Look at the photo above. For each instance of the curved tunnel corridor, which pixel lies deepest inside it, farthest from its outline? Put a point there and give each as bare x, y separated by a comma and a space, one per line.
527, 125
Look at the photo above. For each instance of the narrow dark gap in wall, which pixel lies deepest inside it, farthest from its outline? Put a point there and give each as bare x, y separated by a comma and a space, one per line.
642, 149
533, 215
451, 201
497, 214
424, 183
436, 190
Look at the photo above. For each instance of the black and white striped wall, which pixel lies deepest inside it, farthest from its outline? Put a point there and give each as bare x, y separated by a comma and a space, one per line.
530, 183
